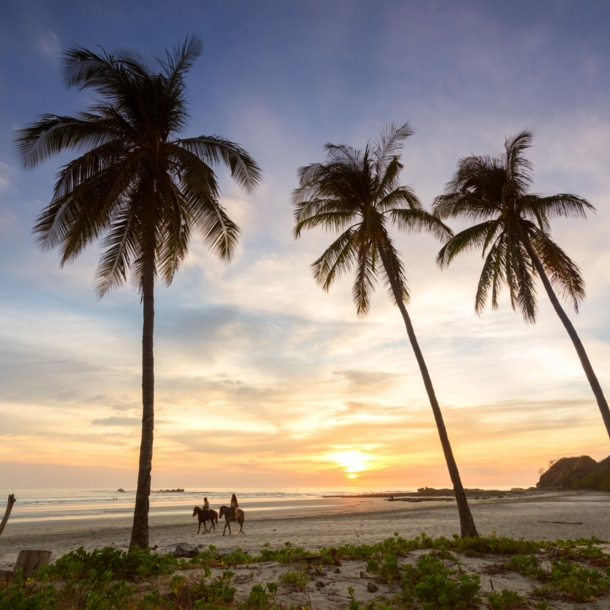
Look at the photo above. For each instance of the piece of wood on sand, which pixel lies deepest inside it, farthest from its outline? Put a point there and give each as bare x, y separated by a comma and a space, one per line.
7, 512
30, 561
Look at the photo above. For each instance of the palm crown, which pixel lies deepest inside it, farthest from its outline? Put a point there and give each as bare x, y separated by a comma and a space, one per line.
358, 193
137, 184
516, 224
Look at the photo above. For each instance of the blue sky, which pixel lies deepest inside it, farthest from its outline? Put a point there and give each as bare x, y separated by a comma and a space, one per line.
262, 378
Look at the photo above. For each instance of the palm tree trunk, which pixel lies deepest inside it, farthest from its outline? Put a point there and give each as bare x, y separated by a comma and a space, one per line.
467, 526
580, 350
139, 532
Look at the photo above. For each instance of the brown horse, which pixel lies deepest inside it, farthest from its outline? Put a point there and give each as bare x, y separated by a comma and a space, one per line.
213, 518
225, 512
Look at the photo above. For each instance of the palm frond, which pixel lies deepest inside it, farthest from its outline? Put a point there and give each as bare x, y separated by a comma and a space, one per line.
562, 205
492, 276
416, 221
563, 273
52, 134
214, 150
393, 271
390, 142
120, 249
468, 239
337, 259
365, 279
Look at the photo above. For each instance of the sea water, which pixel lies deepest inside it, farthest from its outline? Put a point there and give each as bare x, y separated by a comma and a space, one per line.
34, 505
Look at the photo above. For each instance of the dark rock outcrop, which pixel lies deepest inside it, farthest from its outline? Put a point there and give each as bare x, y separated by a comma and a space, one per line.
565, 471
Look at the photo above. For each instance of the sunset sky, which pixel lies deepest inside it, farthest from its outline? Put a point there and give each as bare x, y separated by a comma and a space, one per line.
263, 379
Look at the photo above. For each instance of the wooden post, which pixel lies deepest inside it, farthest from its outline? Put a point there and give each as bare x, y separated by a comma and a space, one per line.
30, 561
7, 513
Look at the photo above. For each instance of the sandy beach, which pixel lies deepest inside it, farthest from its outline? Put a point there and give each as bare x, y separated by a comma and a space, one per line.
332, 521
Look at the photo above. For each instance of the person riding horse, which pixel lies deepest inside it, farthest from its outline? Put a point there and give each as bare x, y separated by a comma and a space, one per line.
206, 508
234, 507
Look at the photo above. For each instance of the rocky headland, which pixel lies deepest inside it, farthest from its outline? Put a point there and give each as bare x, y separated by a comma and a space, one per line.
581, 472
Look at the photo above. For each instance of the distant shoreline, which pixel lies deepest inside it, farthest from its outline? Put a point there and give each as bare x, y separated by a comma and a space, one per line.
430, 493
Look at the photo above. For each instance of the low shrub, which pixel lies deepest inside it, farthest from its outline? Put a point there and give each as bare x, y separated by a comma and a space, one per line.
437, 587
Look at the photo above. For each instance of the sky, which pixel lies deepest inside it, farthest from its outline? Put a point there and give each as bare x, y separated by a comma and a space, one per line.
263, 380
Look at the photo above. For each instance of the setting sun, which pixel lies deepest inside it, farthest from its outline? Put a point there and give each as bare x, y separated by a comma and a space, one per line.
352, 462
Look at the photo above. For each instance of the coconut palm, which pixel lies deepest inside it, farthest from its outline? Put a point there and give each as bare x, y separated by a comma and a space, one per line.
357, 193
138, 186
515, 238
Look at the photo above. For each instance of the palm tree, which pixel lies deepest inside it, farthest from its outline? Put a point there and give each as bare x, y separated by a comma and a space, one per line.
357, 193
138, 186
515, 238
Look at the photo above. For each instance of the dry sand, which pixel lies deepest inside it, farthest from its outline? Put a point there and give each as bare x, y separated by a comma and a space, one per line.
548, 516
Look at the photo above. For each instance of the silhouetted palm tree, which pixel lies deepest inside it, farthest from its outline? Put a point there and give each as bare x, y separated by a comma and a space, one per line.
515, 238
358, 194
138, 186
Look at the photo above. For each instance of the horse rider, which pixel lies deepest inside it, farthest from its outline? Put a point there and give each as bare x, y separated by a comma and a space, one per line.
206, 508
234, 507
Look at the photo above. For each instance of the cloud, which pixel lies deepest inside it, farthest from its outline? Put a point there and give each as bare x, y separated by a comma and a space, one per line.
48, 43
7, 174
117, 421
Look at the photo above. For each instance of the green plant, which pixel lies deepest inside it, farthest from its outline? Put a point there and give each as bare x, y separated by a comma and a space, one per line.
505, 600
527, 565
388, 570
578, 583
259, 599
438, 587
115, 595
17, 597
296, 578
132, 565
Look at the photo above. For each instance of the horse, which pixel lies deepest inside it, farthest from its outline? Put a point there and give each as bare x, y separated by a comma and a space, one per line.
213, 518
225, 512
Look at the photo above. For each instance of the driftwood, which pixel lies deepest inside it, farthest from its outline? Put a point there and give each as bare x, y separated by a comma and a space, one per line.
30, 561
563, 522
7, 512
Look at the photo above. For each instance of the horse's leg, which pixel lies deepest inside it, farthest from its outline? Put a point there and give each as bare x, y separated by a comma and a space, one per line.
241, 527
199, 527
225, 529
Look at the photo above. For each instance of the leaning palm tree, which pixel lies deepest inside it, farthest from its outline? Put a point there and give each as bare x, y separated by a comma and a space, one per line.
515, 238
358, 194
138, 186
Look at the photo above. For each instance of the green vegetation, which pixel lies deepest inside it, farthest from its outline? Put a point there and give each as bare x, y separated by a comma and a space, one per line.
437, 587
506, 600
297, 579
597, 481
420, 573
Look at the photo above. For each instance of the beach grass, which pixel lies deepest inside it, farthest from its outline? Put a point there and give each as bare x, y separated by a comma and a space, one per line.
495, 572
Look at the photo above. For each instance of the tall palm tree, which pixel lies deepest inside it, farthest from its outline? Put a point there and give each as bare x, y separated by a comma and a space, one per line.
138, 186
358, 194
515, 238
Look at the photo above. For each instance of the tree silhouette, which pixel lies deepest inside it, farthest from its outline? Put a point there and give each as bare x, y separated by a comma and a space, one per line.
514, 236
357, 193
137, 186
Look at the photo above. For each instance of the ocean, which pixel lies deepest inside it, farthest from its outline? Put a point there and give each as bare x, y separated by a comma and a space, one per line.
36, 505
